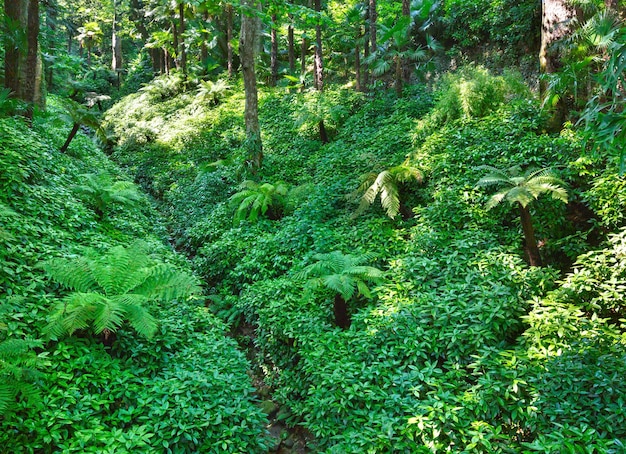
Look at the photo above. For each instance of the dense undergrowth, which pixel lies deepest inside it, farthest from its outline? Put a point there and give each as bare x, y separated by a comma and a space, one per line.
464, 347
185, 389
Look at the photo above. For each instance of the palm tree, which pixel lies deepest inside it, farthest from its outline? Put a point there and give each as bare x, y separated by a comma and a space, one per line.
521, 189
259, 199
343, 274
108, 289
386, 183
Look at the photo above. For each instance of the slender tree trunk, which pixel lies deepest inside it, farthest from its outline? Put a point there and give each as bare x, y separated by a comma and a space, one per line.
373, 16
14, 11
175, 43
399, 76
248, 44
406, 67
366, 53
319, 63
534, 258
357, 65
70, 137
52, 14
303, 51
116, 45
229, 40
323, 133
182, 52
291, 50
34, 74
204, 50
273, 53
340, 308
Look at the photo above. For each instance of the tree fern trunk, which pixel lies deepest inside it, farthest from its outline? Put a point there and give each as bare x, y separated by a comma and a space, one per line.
70, 137
534, 258
323, 133
340, 308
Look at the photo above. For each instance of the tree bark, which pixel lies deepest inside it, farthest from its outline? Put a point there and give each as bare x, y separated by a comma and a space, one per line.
530, 243
34, 74
273, 53
14, 12
323, 133
373, 16
303, 51
556, 18
229, 40
182, 51
319, 63
340, 308
291, 48
248, 45
70, 137
116, 44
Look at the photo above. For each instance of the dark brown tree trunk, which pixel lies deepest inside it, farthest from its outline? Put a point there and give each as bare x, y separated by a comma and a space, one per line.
366, 53
204, 50
33, 80
373, 16
291, 48
15, 12
323, 133
303, 52
229, 40
406, 67
273, 53
530, 242
357, 65
182, 51
340, 308
319, 63
70, 137
248, 44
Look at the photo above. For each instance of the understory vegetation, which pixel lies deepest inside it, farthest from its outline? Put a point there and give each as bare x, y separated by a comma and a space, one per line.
463, 346
419, 248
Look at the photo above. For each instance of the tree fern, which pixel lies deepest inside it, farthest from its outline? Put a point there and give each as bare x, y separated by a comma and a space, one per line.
100, 191
255, 200
386, 184
521, 188
113, 288
19, 366
344, 275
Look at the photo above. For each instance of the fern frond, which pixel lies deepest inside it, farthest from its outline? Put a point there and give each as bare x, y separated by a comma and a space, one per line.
141, 320
165, 283
75, 274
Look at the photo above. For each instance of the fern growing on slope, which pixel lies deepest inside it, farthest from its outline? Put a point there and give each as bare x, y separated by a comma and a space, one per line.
112, 288
386, 184
100, 191
343, 274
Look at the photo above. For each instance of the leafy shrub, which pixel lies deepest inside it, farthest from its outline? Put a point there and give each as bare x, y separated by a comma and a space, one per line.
100, 191
473, 92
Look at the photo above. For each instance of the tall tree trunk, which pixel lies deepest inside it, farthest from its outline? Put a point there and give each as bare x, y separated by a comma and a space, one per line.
319, 63
34, 72
556, 18
14, 12
116, 45
366, 53
340, 309
373, 16
399, 76
175, 43
406, 67
204, 50
52, 14
273, 53
248, 45
182, 52
530, 243
291, 47
303, 51
357, 65
229, 40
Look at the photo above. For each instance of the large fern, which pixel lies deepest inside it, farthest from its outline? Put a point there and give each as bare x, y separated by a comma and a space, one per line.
255, 200
386, 184
101, 191
19, 364
112, 288
343, 274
